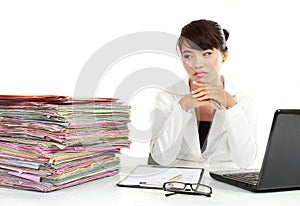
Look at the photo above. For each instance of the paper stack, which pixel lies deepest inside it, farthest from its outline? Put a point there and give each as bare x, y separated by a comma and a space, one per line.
53, 142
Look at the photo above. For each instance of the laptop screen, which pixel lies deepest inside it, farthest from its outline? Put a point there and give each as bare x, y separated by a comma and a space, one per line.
281, 168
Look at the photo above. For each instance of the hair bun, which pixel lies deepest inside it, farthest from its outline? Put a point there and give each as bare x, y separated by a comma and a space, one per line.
226, 34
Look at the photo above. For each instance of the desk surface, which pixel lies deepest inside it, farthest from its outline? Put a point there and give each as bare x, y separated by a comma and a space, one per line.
105, 191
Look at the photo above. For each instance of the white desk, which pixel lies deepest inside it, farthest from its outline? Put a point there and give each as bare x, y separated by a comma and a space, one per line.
104, 191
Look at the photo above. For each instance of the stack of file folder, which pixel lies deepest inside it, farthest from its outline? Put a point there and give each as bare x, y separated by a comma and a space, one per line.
53, 142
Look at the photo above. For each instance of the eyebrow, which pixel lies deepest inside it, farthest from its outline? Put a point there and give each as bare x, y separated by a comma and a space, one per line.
186, 51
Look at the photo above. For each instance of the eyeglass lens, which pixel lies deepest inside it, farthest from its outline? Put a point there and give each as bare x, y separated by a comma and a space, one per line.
179, 186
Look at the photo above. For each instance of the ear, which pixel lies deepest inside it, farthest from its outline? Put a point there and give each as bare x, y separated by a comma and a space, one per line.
225, 56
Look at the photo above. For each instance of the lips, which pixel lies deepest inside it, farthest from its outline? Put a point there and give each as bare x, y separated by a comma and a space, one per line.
200, 74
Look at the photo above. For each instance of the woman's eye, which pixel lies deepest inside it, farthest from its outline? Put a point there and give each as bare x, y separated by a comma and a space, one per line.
207, 53
187, 56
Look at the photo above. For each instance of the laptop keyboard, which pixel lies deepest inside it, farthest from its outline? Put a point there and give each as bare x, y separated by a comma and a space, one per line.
247, 177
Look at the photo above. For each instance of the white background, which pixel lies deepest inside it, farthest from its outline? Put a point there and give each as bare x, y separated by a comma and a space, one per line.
45, 44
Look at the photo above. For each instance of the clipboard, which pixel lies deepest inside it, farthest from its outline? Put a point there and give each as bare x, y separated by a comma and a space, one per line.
154, 176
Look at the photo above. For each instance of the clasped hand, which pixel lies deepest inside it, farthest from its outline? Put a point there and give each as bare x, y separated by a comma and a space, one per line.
206, 94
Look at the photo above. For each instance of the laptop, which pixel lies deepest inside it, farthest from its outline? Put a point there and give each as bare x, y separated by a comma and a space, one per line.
280, 169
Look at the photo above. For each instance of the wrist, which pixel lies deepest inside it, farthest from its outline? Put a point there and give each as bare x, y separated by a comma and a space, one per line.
230, 101
183, 104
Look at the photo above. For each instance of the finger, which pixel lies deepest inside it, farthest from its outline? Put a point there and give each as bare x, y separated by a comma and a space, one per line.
203, 103
217, 104
199, 91
198, 83
201, 88
207, 87
213, 94
203, 98
200, 94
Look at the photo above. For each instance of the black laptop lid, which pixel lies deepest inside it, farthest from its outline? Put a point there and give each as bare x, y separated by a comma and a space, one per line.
281, 167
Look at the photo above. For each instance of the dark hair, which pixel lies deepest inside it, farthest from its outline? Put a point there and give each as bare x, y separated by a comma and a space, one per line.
203, 34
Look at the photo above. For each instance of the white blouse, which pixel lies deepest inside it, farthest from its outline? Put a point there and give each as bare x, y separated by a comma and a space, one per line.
232, 135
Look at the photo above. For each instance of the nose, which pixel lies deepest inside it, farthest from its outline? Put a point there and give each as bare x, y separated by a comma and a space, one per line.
198, 62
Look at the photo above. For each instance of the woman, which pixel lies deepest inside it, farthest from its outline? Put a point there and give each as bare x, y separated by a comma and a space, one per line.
199, 119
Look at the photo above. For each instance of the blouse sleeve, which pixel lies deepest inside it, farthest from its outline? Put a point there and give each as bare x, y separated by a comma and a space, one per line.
169, 122
242, 127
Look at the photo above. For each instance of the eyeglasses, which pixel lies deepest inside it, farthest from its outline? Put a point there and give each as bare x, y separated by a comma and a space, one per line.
187, 188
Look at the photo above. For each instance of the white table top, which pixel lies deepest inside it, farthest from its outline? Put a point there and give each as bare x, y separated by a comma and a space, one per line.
105, 191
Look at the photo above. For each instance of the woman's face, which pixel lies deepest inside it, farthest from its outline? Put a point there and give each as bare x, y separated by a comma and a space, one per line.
202, 65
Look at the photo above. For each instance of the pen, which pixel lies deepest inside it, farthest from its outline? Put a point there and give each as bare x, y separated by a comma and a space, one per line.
177, 177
